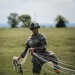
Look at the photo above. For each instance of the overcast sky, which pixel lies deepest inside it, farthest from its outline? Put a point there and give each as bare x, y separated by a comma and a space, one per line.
43, 11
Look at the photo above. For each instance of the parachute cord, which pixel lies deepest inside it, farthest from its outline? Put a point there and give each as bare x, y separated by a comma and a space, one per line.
38, 56
43, 67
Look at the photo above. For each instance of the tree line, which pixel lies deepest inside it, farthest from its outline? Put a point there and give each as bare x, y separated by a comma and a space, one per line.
14, 19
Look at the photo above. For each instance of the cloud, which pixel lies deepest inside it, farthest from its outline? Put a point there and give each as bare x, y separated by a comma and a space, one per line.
49, 1
45, 10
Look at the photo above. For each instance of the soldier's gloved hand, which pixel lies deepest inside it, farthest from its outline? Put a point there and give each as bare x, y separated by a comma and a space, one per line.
31, 50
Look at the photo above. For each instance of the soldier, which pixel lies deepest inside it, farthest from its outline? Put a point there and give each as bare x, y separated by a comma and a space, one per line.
36, 43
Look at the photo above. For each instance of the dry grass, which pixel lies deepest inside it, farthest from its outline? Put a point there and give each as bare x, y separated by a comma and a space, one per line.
60, 40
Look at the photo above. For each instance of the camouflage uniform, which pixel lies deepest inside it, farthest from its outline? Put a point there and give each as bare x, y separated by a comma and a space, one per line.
39, 43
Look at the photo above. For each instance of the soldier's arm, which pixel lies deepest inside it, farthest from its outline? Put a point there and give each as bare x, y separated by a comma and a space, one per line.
25, 51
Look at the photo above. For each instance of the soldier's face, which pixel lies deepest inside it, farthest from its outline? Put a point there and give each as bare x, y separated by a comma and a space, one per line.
35, 31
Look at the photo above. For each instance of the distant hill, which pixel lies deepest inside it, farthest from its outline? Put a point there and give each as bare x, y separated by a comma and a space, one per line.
53, 25
4, 25
42, 25
47, 25
70, 25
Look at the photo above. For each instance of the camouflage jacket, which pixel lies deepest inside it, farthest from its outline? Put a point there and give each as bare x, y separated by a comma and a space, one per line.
38, 42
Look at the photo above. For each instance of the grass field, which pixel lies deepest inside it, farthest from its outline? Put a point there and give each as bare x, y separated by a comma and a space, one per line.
60, 40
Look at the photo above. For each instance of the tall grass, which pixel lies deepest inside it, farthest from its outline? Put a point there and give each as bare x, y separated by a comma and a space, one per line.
12, 42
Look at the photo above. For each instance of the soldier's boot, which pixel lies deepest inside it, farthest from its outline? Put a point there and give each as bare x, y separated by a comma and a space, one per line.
57, 71
56, 68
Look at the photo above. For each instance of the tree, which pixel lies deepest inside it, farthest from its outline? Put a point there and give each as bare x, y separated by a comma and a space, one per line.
25, 19
13, 19
61, 21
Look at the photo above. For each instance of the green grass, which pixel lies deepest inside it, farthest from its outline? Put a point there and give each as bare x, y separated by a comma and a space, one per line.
60, 40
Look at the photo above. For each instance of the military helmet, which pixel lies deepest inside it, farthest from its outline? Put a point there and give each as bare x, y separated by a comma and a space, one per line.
34, 25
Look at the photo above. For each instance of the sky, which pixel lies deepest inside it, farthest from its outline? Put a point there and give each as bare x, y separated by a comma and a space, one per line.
42, 11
